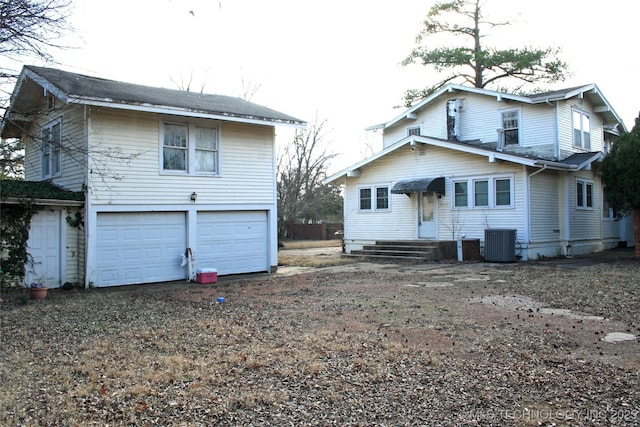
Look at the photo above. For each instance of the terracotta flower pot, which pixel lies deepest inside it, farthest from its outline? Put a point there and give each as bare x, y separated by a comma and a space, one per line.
38, 293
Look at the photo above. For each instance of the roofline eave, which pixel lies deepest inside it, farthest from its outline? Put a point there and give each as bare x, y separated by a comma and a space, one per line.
148, 108
43, 202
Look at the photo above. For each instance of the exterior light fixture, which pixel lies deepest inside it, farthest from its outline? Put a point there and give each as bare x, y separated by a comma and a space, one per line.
194, 197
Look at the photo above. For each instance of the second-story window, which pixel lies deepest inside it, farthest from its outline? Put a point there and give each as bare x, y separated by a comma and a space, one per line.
581, 130
189, 148
511, 126
51, 140
413, 130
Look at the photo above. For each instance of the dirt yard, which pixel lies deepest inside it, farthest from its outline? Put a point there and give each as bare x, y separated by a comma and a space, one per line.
351, 344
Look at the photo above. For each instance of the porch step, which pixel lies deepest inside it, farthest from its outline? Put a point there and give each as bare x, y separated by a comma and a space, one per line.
415, 251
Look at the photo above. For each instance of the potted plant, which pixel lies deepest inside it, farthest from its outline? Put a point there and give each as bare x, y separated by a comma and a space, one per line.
37, 291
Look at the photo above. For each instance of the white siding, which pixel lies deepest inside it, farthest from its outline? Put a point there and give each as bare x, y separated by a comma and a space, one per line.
585, 223
546, 207
75, 247
480, 117
401, 221
73, 152
565, 128
246, 164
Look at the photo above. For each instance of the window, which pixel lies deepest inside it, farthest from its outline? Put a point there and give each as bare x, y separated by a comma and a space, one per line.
461, 195
503, 192
206, 149
487, 193
415, 130
510, 124
373, 198
189, 148
481, 193
382, 198
365, 199
584, 194
51, 139
581, 130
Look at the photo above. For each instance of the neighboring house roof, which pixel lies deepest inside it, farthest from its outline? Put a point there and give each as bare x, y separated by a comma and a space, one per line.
41, 192
82, 89
612, 121
572, 163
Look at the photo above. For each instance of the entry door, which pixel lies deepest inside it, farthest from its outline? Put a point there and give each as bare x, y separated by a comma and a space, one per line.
45, 249
427, 216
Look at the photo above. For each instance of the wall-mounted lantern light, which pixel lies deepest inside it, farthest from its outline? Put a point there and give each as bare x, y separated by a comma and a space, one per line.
194, 197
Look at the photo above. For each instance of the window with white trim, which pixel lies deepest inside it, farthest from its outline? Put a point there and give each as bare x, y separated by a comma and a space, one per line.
375, 198
413, 130
51, 140
484, 193
461, 194
511, 126
189, 148
584, 194
581, 130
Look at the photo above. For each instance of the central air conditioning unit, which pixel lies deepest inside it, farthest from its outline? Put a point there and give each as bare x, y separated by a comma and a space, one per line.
499, 245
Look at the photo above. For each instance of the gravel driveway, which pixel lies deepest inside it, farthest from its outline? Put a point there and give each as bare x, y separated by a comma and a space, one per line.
359, 344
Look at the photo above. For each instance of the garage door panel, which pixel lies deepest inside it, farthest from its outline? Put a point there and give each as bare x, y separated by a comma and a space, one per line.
233, 242
140, 247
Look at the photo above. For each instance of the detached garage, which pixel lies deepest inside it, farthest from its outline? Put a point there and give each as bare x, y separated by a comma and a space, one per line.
139, 247
233, 242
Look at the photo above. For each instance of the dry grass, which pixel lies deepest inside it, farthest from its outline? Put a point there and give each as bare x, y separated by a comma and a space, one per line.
372, 347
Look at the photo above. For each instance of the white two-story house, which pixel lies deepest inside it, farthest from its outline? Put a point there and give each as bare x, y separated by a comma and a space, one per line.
164, 173
465, 160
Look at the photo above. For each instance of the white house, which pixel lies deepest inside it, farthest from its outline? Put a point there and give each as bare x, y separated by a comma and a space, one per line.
162, 171
467, 160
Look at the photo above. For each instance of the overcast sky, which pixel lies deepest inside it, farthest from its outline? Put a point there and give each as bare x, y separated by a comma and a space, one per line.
337, 59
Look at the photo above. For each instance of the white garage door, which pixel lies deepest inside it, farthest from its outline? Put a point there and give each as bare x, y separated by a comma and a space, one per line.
140, 247
233, 242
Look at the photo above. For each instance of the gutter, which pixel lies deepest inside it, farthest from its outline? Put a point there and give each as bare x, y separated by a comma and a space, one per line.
47, 202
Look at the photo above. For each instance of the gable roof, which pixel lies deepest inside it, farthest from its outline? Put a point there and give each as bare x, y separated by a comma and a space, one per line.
573, 163
612, 121
87, 90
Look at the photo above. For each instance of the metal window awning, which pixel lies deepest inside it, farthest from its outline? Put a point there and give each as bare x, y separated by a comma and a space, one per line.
419, 185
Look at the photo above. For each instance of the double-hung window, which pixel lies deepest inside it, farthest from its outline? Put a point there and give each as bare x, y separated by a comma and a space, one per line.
483, 193
511, 126
189, 148
51, 140
581, 130
375, 198
584, 194
461, 194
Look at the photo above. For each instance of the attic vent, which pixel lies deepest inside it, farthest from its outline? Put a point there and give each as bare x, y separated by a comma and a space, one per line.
422, 151
51, 102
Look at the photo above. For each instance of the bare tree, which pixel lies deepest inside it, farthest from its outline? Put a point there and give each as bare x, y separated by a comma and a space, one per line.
28, 28
302, 165
31, 28
249, 89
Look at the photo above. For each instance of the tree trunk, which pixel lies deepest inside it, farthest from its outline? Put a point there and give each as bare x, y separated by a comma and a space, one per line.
636, 231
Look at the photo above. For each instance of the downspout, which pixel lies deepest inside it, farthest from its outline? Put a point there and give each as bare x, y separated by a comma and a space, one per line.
87, 196
344, 214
